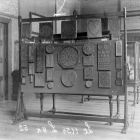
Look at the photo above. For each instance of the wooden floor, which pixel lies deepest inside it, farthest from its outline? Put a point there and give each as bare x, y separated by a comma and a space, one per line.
56, 129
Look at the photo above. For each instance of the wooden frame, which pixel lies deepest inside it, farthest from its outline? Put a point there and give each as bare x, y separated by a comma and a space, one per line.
21, 113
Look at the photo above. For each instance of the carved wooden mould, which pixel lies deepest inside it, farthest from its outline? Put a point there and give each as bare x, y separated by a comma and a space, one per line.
68, 78
104, 79
104, 56
46, 30
68, 57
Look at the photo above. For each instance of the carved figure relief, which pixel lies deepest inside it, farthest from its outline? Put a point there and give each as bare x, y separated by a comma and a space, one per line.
68, 57
68, 78
88, 73
50, 48
104, 79
94, 28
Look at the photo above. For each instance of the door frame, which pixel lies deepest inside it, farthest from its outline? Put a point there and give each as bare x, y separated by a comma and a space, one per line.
6, 67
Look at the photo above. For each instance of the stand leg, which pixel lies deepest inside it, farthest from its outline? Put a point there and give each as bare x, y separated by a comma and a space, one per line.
117, 116
137, 94
88, 98
20, 109
111, 108
134, 91
53, 109
82, 99
41, 102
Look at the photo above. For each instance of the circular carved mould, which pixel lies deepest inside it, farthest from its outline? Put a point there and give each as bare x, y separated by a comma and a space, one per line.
88, 48
68, 78
89, 84
68, 57
50, 85
50, 48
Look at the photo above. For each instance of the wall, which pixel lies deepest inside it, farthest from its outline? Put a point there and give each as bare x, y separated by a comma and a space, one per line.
9, 11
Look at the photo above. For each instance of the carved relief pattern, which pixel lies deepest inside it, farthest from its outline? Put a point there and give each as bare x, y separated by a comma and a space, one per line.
49, 74
104, 56
88, 73
39, 80
24, 55
50, 48
32, 52
119, 48
88, 60
68, 78
118, 62
94, 28
104, 79
68, 57
49, 61
40, 58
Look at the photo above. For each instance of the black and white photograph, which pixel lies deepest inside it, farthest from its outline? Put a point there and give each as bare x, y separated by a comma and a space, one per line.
69, 69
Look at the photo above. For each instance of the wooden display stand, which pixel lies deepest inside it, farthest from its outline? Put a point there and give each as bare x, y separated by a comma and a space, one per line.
69, 67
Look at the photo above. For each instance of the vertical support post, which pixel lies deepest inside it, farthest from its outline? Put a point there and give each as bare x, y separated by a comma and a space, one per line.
118, 107
125, 77
53, 109
110, 108
41, 102
137, 94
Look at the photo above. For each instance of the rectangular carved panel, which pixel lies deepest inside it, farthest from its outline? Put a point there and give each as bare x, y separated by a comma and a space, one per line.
39, 80
31, 68
40, 61
49, 61
24, 72
94, 28
46, 30
24, 55
23, 80
104, 56
88, 60
88, 73
49, 74
118, 74
68, 29
26, 30
32, 53
118, 62
119, 48
104, 79
119, 82
31, 78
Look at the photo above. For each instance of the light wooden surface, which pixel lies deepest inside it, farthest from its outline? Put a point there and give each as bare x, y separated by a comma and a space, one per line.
68, 103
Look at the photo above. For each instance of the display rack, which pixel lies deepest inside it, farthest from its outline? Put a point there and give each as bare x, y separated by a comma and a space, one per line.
102, 89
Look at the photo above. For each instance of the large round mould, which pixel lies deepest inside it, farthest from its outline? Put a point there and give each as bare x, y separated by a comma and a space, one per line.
68, 57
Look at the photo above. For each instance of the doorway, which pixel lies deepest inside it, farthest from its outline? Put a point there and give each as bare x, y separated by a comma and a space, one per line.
3, 61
